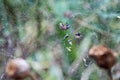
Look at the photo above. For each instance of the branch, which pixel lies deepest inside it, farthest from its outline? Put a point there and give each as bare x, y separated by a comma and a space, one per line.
88, 71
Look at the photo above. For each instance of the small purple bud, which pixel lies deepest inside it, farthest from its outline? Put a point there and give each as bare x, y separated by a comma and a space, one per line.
66, 36
64, 27
70, 42
67, 26
78, 35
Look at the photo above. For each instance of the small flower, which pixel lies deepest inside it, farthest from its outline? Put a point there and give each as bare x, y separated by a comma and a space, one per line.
64, 26
70, 42
78, 35
68, 48
104, 57
66, 36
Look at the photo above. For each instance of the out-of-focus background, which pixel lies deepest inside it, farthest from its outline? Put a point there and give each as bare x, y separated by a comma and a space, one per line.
30, 29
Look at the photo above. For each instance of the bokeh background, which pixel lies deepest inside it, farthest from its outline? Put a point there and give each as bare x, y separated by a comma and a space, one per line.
30, 29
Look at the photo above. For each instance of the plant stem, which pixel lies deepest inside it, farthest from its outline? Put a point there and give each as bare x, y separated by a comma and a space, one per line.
110, 74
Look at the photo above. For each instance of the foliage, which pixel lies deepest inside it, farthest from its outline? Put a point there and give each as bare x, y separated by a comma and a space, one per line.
30, 29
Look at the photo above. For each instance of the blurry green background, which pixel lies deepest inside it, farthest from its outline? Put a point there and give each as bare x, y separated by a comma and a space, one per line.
30, 29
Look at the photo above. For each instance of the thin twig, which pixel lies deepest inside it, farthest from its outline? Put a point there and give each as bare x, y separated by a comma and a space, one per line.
88, 71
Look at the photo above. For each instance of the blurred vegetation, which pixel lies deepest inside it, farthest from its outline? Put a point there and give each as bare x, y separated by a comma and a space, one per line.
30, 29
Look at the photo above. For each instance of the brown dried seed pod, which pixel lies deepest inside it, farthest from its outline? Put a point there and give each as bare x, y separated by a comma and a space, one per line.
17, 69
104, 57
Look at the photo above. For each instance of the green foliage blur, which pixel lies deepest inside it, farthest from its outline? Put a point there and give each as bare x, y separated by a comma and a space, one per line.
30, 29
